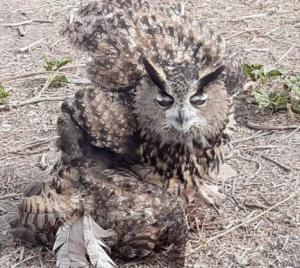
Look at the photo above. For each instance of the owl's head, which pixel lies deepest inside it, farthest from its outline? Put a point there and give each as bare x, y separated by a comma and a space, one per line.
182, 104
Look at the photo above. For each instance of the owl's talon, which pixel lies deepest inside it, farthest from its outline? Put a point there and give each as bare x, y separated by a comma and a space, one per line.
211, 196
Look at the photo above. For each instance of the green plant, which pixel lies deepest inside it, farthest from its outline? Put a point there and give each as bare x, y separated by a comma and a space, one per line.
284, 96
271, 99
258, 72
292, 84
52, 66
3, 94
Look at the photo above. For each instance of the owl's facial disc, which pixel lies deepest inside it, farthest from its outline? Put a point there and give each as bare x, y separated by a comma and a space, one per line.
185, 112
179, 103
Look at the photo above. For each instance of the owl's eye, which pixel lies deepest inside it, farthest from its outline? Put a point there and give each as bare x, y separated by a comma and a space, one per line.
164, 100
198, 99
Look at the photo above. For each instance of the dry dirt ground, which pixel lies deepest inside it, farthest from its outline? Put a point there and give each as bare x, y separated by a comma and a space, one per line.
258, 225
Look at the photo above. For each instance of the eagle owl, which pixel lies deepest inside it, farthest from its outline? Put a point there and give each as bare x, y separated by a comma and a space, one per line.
161, 98
149, 129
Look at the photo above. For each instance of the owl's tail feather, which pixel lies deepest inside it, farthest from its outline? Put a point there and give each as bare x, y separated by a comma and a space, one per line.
39, 216
74, 242
51, 219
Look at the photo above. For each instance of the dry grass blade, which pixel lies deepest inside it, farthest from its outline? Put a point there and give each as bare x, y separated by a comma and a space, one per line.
25, 260
277, 163
265, 127
24, 23
230, 230
31, 101
7, 196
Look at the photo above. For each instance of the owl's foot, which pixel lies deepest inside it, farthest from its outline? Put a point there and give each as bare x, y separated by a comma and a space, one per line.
211, 195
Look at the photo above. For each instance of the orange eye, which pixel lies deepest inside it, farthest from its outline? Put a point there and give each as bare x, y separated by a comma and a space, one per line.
198, 99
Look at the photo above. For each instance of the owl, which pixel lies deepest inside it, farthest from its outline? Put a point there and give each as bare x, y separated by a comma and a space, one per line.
94, 216
161, 100
142, 141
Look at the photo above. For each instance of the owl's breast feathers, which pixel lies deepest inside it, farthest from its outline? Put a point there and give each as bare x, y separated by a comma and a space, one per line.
181, 168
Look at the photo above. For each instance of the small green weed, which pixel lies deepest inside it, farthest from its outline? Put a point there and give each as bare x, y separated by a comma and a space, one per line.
52, 66
3, 94
284, 96
258, 72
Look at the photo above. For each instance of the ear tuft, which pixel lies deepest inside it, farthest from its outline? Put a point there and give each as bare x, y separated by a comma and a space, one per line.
156, 74
210, 75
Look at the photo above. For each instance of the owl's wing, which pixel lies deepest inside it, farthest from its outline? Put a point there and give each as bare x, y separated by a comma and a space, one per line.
102, 29
104, 118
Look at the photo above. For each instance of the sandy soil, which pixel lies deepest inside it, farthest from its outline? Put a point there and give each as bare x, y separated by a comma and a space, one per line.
258, 225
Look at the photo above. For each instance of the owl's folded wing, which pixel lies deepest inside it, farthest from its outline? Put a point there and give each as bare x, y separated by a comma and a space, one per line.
103, 119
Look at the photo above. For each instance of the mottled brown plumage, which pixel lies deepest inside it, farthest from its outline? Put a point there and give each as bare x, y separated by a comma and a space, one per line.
141, 217
120, 33
146, 57
150, 128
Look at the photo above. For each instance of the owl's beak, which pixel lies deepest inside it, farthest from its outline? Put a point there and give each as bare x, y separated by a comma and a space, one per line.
181, 122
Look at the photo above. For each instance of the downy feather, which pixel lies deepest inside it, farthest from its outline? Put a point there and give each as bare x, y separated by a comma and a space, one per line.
70, 248
94, 244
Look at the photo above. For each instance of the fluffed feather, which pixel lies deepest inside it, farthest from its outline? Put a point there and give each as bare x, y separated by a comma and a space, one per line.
74, 242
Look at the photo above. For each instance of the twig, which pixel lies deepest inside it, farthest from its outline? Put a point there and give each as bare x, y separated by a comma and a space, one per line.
242, 32
254, 161
285, 54
255, 206
252, 219
25, 22
33, 144
277, 163
22, 32
22, 254
289, 135
28, 47
230, 230
45, 86
30, 101
261, 147
21, 76
7, 79
264, 127
254, 16
7, 196
20, 262
257, 49
252, 137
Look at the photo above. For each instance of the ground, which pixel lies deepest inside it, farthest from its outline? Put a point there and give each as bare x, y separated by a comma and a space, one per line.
257, 226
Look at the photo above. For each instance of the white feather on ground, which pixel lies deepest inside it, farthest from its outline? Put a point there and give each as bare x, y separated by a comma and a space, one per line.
70, 248
94, 244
